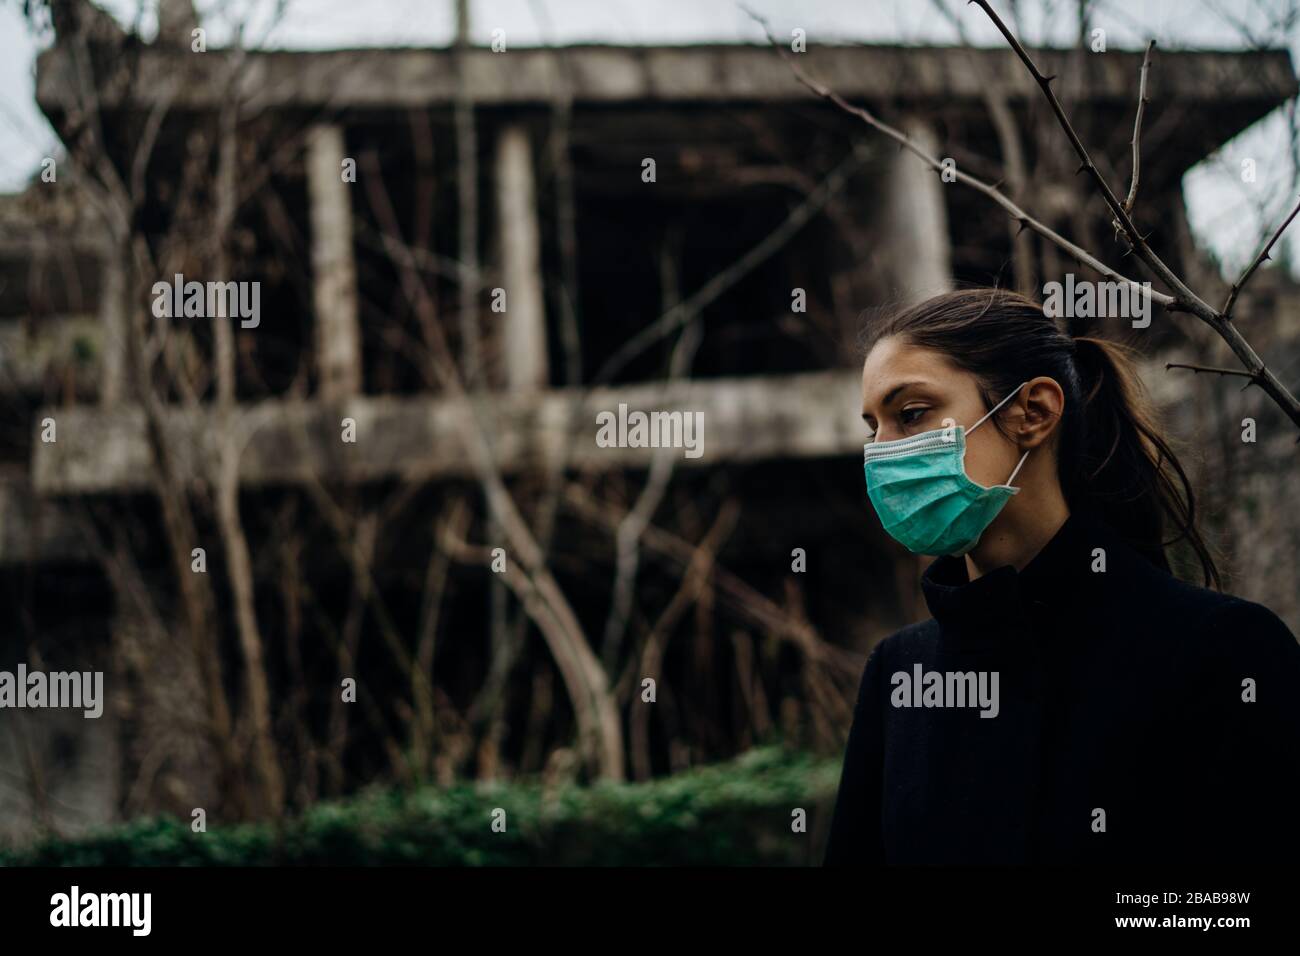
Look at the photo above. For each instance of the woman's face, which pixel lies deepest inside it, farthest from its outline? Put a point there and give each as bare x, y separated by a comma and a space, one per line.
907, 389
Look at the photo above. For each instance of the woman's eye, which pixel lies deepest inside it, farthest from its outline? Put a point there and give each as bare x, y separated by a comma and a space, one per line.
910, 416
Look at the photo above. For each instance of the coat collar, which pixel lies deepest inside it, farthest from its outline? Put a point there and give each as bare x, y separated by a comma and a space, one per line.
1000, 606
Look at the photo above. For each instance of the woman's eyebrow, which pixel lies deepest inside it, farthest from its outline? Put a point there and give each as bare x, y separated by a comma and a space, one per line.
892, 394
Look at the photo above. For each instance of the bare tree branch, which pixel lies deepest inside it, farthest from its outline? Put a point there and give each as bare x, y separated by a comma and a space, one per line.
1137, 127
1009, 145
1263, 254
1212, 368
1183, 299
1026, 221
720, 282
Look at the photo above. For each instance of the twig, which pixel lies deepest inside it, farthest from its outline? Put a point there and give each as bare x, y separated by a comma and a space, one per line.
1183, 299
746, 602
1026, 221
1086, 164
722, 281
1137, 127
1136, 240
1213, 368
599, 729
695, 578
1263, 254
1010, 145
627, 538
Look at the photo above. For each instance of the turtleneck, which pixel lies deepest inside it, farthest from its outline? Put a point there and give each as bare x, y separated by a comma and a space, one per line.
1122, 731
1001, 604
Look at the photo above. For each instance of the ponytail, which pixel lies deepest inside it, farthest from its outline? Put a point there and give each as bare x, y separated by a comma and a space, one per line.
1123, 468
1112, 456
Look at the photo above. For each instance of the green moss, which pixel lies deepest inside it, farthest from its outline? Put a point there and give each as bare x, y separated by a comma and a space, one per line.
83, 349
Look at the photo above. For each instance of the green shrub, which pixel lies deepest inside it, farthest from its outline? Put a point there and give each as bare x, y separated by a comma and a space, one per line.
735, 813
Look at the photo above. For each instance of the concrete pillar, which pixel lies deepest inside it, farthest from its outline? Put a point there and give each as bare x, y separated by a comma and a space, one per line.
176, 20
522, 336
114, 313
915, 224
334, 271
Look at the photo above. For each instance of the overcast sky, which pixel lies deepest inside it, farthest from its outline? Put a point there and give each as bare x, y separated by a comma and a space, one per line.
1227, 215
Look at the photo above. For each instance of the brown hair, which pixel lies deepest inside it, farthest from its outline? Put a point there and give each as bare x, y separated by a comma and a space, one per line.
1113, 459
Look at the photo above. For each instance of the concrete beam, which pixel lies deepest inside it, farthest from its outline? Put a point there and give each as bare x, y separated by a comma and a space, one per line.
744, 419
406, 78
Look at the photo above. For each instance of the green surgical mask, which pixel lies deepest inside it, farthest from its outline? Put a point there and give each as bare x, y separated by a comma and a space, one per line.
922, 494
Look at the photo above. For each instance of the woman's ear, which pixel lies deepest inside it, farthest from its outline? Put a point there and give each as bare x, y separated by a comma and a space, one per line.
1041, 402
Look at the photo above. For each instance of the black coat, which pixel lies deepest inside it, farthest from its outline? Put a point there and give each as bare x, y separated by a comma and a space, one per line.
1118, 691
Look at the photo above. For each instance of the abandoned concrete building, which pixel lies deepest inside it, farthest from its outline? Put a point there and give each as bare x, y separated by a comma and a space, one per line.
758, 192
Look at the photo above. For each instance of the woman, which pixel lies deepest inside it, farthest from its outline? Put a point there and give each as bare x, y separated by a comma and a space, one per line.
1071, 700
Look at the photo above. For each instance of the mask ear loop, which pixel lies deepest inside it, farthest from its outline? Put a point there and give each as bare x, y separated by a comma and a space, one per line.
1010, 395
1017, 468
